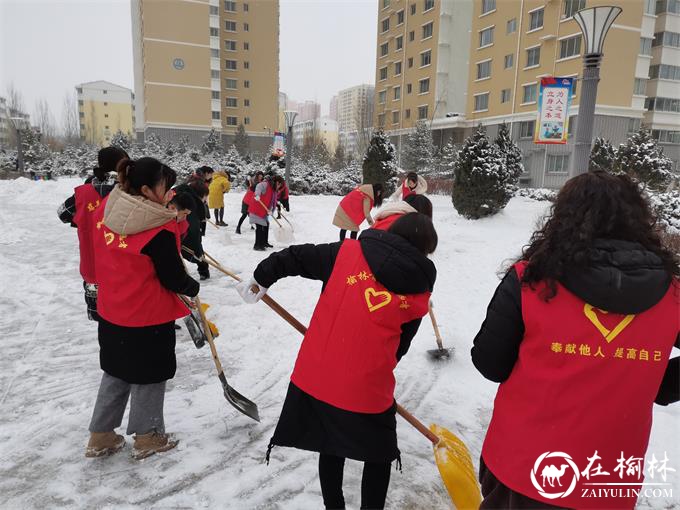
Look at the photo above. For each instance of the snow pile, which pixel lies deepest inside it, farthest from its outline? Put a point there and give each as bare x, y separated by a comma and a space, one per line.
539, 194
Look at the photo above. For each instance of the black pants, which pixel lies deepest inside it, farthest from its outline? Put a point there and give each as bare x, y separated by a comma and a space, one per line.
219, 215
241, 220
282, 202
343, 234
261, 236
374, 482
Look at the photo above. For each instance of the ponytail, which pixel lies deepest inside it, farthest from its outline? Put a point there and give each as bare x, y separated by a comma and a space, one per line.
133, 175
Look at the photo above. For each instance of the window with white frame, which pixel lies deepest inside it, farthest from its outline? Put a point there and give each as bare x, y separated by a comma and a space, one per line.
533, 56
246, 120
215, 94
645, 46
529, 93
400, 17
484, 69
381, 120
384, 49
395, 117
664, 72
214, 74
246, 8
481, 102
230, 83
385, 24
413, 9
231, 102
557, 164
526, 129
382, 96
246, 27
399, 42
383, 73
640, 86
385, 4
508, 61
230, 26
650, 6
570, 47
428, 4
422, 112
214, 10
571, 6
536, 19
506, 95
246, 84
666, 136
230, 65
214, 32
486, 37
397, 68
409, 88
246, 102
488, 6
668, 6
246, 46
410, 62
428, 29
424, 86
230, 45
229, 6
232, 121
407, 113
397, 93
425, 58
511, 26
216, 115
671, 39
214, 53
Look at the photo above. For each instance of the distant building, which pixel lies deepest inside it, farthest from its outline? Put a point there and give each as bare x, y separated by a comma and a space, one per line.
355, 116
324, 129
4, 124
103, 109
309, 110
333, 109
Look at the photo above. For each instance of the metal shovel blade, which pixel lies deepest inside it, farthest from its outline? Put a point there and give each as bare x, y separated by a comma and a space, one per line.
247, 407
440, 354
195, 330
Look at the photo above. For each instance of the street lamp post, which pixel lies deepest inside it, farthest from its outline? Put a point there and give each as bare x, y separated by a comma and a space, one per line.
290, 120
19, 124
594, 23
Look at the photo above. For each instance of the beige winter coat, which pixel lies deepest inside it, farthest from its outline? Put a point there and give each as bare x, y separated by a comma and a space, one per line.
341, 220
421, 189
394, 208
130, 214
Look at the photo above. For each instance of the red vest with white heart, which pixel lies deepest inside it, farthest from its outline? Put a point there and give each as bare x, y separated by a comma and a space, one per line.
130, 293
353, 205
585, 381
349, 352
87, 202
256, 208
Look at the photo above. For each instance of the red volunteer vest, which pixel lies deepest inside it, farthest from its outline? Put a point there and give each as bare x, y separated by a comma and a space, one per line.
183, 227
87, 202
285, 192
348, 355
256, 208
130, 293
353, 205
248, 197
405, 191
584, 382
386, 222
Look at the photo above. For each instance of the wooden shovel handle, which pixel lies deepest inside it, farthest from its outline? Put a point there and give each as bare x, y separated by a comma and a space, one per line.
437, 335
262, 204
420, 427
208, 334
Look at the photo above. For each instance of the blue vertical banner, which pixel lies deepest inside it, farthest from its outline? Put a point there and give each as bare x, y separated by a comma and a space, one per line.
279, 143
554, 102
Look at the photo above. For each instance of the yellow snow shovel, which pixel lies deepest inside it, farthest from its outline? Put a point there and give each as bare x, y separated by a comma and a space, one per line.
453, 460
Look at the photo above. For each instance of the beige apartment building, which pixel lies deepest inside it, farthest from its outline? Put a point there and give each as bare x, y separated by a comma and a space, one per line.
354, 112
421, 62
103, 109
204, 64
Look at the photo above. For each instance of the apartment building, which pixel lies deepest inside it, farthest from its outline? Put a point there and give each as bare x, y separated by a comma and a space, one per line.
103, 109
333, 108
323, 128
308, 110
204, 64
421, 62
354, 110
5, 125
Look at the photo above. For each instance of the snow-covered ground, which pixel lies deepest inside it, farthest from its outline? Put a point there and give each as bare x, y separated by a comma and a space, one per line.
49, 370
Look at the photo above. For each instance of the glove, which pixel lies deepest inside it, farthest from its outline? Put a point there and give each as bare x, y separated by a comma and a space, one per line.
251, 291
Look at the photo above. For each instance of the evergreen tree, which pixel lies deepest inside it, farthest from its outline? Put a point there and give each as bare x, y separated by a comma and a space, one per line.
602, 156
418, 149
122, 141
482, 185
153, 147
643, 160
447, 159
34, 150
338, 158
379, 165
511, 152
242, 141
212, 143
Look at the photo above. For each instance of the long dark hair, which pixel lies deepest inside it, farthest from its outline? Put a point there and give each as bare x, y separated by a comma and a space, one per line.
377, 194
420, 203
107, 161
134, 174
595, 205
418, 230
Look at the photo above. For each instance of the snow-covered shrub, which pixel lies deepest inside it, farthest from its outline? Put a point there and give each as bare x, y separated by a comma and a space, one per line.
602, 155
310, 179
418, 150
642, 159
512, 155
667, 209
538, 194
379, 164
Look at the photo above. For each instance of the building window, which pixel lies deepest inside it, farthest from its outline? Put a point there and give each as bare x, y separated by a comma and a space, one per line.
410, 62
386, 4
105, 91
633, 126
106, 115
407, 113
486, 37
508, 61
214, 32
481, 102
246, 27
385, 24
424, 86
384, 49
381, 120
246, 8
413, 9
412, 36
397, 93
571, 6
230, 26
666, 136
230, 45
231, 102
529, 93
409, 88
215, 94
488, 6
526, 129
574, 83
663, 104
511, 26
670, 6
232, 121
400, 42
246, 120
230, 65
428, 29
246, 65
650, 7
640, 87
422, 112
229, 6
81, 114
230, 83
400, 17
664, 72
570, 47
214, 10
484, 70
505, 95
246, 102
383, 73
382, 96
425, 58
397, 68
645, 46
671, 39
214, 53
536, 20
246, 46
533, 56
429, 4
216, 115
557, 163
80, 102
106, 104
214, 74
246, 84
395, 117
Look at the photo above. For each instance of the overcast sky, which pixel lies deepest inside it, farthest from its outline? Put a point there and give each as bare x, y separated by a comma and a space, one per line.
48, 46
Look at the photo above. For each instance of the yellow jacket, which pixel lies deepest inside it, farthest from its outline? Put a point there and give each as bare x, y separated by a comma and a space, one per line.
218, 187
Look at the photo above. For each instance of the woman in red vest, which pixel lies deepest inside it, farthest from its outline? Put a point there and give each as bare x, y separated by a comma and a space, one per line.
340, 400
579, 334
356, 207
245, 203
393, 211
140, 274
260, 207
414, 184
283, 194
78, 210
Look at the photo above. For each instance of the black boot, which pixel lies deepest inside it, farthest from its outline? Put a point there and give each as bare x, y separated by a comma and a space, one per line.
259, 238
266, 237
238, 230
203, 270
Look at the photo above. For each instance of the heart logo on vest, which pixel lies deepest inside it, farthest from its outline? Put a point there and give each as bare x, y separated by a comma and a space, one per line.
608, 335
376, 299
108, 237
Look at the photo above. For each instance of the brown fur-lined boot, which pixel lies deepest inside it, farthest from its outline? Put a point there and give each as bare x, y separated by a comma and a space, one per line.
102, 444
153, 442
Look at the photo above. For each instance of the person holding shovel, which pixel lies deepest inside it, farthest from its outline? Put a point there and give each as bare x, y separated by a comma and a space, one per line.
140, 274
356, 207
245, 202
261, 206
197, 190
340, 400
579, 334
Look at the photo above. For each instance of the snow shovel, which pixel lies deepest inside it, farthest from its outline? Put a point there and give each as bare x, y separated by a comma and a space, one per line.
247, 407
282, 235
440, 353
194, 324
